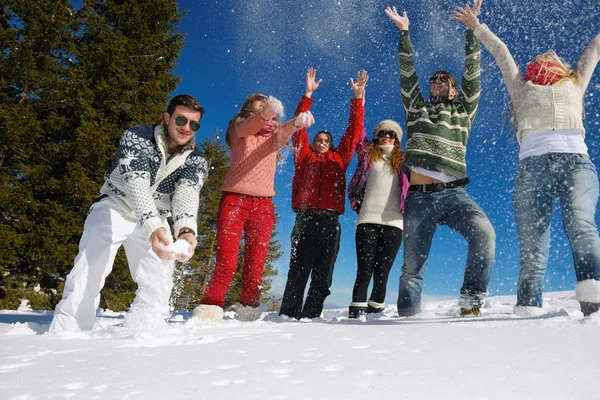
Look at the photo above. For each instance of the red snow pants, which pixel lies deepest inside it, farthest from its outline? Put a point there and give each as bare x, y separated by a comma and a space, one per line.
255, 217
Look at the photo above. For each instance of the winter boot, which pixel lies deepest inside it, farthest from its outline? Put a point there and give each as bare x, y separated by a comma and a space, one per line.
473, 311
357, 310
247, 313
470, 303
588, 308
588, 294
206, 312
375, 308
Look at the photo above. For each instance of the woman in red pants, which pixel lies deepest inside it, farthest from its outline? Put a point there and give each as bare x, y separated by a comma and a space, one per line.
255, 138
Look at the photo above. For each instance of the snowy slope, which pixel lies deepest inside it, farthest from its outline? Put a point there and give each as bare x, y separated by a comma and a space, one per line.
435, 355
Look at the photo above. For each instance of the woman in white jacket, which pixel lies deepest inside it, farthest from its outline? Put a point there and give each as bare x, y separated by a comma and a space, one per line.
553, 164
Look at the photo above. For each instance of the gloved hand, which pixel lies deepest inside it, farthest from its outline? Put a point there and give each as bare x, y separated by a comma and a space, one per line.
304, 120
271, 109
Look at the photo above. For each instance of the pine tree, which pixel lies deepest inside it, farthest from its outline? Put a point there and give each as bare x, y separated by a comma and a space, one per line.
40, 213
71, 83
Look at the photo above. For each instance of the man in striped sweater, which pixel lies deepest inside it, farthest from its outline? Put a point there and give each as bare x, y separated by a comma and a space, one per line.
437, 135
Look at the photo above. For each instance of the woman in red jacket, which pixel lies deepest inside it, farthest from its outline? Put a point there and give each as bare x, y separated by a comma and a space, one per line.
318, 195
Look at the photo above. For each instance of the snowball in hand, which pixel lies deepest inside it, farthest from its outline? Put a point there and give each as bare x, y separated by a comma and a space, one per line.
304, 120
181, 249
271, 108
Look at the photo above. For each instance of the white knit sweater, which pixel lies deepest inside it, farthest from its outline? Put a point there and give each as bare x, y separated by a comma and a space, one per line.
381, 202
541, 107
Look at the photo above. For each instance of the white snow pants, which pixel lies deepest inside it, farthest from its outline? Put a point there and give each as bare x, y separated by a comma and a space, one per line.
106, 229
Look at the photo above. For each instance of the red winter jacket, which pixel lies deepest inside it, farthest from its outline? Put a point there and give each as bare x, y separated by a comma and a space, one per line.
320, 179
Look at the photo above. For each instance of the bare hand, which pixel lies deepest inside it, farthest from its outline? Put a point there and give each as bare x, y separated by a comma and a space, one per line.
468, 15
401, 21
160, 241
477, 7
359, 86
311, 85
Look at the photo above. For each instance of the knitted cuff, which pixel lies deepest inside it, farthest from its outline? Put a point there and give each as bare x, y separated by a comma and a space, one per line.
186, 223
153, 224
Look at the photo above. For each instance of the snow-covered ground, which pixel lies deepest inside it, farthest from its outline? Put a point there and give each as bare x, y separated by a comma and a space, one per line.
435, 355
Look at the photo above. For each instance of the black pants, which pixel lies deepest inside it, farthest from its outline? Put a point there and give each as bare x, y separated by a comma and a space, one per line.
315, 245
376, 249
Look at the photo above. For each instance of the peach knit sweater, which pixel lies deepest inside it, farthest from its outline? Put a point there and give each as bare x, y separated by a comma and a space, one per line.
254, 157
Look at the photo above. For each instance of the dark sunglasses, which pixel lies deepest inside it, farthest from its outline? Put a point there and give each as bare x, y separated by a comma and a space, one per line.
260, 97
182, 121
390, 134
442, 78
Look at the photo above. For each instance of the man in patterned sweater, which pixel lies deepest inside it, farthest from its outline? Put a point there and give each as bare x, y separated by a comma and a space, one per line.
437, 134
158, 172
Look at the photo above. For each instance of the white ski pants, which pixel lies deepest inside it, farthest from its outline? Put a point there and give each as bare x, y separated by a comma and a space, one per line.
106, 229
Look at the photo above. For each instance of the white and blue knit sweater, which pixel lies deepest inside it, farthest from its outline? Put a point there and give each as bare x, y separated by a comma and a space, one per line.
149, 187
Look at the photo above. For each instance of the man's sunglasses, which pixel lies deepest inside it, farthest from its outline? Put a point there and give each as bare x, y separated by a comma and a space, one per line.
182, 121
390, 134
442, 78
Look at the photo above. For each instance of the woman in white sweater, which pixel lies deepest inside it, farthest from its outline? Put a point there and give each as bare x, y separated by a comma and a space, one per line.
377, 192
554, 165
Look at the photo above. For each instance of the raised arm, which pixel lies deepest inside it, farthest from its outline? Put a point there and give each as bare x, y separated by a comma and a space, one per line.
356, 120
588, 61
409, 83
253, 124
300, 139
470, 86
506, 63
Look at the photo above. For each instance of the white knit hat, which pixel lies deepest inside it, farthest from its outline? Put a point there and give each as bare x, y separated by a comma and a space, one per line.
388, 125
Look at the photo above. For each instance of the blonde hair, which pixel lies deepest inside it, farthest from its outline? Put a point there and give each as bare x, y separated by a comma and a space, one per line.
374, 153
558, 66
244, 112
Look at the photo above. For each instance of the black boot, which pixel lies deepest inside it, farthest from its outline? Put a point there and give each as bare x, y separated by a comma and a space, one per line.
355, 312
375, 308
588, 308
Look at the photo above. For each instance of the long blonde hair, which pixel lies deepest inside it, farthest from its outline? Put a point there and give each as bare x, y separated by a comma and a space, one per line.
555, 65
374, 153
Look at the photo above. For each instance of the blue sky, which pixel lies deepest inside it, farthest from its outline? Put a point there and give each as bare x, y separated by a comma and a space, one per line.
235, 48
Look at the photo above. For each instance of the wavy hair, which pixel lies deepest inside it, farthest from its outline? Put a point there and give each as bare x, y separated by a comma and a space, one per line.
374, 153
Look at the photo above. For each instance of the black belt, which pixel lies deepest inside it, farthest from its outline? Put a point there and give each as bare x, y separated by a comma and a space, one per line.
320, 211
438, 187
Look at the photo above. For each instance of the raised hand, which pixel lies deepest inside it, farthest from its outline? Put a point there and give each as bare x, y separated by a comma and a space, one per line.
271, 108
468, 15
311, 84
304, 120
359, 86
477, 7
401, 21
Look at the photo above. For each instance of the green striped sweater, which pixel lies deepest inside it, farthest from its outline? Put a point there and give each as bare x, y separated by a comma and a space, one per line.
437, 135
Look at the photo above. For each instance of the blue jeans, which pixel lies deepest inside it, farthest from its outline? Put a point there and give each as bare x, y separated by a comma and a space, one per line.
424, 211
573, 180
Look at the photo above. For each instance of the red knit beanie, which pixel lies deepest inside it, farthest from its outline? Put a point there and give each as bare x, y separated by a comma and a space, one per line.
539, 73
